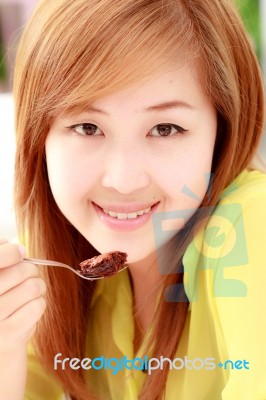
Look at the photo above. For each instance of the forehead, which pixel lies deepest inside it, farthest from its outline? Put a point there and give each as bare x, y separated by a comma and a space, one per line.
164, 82
171, 83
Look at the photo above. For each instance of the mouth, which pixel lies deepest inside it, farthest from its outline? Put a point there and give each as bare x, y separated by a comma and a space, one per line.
121, 221
123, 215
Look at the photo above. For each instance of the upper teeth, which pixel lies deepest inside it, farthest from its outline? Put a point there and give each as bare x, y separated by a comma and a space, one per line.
127, 216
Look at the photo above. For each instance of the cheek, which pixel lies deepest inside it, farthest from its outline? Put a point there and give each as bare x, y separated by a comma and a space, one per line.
69, 176
197, 164
185, 187
185, 175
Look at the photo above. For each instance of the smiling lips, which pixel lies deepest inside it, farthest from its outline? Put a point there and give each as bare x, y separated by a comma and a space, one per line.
127, 215
123, 211
125, 218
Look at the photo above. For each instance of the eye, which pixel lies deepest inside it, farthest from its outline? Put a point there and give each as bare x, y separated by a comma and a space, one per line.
161, 130
85, 129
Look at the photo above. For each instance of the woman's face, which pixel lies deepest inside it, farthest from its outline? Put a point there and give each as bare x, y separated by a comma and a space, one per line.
147, 148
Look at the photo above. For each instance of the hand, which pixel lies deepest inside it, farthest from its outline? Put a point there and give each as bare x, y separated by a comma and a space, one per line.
22, 300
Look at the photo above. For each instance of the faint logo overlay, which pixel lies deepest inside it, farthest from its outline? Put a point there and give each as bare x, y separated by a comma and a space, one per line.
220, 243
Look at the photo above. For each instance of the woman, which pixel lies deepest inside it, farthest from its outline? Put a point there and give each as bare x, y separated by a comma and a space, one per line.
127, 108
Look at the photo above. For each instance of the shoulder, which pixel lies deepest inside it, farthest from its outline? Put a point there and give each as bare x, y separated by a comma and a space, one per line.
233, 238
240, 219
241, 211
245, 188
242, 205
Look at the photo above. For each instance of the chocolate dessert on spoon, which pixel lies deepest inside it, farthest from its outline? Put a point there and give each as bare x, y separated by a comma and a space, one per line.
102, 266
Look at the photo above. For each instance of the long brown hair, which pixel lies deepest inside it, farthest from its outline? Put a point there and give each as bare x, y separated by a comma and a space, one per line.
73, 52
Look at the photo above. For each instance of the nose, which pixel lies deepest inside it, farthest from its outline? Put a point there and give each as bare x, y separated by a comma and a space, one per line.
125, 169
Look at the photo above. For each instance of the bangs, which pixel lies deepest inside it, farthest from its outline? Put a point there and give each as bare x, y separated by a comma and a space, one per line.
91, 51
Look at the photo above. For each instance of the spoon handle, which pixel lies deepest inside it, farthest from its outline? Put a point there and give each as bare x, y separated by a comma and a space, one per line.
46, 262
50, 263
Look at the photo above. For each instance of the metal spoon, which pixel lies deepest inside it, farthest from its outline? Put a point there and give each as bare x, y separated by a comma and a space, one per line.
59, 264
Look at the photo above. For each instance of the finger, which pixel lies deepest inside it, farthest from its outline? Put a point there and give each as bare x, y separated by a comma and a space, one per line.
9, 255
19, 324
3, 240
16, 274
12, 300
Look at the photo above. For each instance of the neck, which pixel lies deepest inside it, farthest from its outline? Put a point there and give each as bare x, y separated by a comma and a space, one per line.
146, 283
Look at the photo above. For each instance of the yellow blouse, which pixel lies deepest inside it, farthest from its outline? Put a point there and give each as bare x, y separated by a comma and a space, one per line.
225, 281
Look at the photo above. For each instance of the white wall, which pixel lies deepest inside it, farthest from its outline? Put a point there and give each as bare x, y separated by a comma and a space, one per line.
13, 16
7, 153
26, 7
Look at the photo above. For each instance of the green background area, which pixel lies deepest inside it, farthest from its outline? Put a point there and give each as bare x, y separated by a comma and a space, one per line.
249, 10
2, 70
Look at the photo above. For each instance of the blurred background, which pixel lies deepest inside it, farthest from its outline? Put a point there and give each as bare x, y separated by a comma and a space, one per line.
13, 16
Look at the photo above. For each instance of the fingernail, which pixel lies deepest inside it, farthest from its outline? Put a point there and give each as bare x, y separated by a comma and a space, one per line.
22, 250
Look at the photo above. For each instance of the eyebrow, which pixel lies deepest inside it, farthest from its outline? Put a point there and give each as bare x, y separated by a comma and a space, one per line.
175, 104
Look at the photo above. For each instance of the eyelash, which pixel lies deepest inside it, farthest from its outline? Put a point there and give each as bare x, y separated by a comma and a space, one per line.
179, 129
